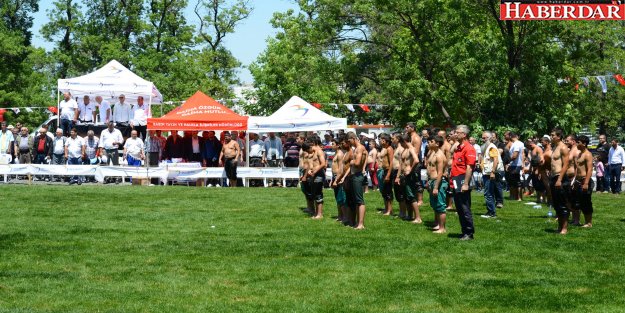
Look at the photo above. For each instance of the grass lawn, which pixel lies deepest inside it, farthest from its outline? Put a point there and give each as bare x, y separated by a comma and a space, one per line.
154, 249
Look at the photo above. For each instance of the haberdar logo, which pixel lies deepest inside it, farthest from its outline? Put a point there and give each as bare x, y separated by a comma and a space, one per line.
562, 10
299, 108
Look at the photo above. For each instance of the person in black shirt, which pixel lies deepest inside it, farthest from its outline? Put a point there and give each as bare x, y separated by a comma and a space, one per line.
603, 149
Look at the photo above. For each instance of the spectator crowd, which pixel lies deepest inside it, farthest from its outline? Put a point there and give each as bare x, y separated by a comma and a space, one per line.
556, 168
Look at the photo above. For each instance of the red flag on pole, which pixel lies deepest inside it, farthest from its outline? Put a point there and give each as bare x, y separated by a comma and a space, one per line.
365, 108
620, 79
316, 105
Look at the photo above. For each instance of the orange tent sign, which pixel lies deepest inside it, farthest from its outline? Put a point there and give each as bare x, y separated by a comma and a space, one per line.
200, 112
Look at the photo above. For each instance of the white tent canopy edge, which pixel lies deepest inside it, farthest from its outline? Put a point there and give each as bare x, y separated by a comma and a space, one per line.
110, 81
296, 115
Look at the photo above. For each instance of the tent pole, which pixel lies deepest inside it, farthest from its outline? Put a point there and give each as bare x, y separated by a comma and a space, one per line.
150, 103
147, 160
247, 149
58, 107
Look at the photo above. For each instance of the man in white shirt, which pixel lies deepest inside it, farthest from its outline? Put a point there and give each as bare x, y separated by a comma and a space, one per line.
122, 112
104, 109
69, 113
133, 150
616, 159
139, 118
273, 154
6, 139
58, 148
477, 177
91, 147
257, 151
515, 167
86, 110
74, 152
110, 139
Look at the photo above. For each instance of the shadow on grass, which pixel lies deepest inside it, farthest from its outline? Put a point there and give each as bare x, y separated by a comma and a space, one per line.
7, 240
457, 236
429, 224
306, 211
551, 230
623, 220
539, 216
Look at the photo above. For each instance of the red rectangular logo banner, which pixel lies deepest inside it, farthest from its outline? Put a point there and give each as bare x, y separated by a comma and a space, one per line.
562, 10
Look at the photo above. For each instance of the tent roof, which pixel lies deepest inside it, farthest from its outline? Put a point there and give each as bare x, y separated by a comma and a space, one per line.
200, 112
110, 81
296, 115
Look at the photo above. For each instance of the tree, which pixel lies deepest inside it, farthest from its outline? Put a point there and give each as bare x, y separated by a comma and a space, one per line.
216, 21
443, 63
164, 47
65, 22
24, 69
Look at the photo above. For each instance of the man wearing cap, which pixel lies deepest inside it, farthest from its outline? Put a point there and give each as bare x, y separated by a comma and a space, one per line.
69, 113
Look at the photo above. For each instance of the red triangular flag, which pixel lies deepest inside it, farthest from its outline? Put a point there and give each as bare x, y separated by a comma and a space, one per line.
365, 108
316, 105
620, 79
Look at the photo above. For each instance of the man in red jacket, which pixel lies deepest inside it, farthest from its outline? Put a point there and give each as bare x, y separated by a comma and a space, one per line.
461, 171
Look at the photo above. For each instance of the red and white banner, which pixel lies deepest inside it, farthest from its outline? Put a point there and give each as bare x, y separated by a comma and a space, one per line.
562, 10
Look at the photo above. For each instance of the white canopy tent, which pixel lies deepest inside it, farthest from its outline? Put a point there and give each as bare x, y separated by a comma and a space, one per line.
295, 115
110, 81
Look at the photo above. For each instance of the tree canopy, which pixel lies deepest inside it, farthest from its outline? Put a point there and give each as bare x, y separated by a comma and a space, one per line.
443, 63
428, 61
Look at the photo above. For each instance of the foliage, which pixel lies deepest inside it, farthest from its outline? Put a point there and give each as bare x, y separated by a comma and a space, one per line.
428, 58
24, 69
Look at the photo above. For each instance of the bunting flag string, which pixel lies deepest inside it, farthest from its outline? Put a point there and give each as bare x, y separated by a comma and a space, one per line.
365, 107
602, 81
620, 79
17, 110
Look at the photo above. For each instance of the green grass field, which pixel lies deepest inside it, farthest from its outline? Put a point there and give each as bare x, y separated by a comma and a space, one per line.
154, 249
